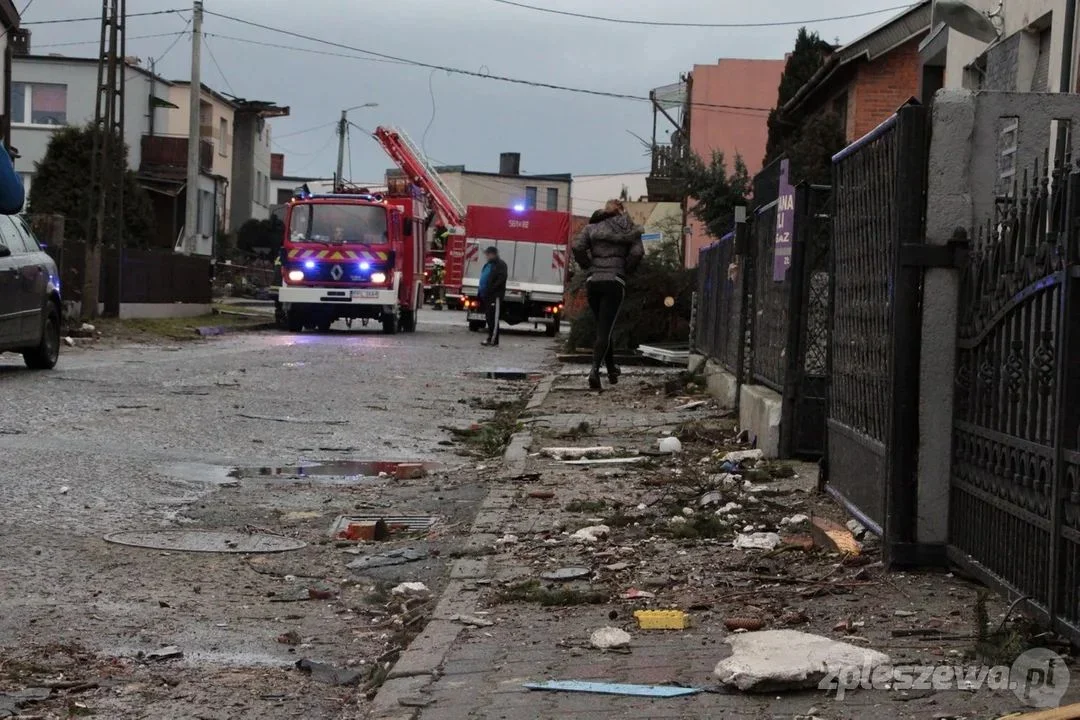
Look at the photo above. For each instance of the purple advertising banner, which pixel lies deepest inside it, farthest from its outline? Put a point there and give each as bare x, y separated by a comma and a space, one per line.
785, 224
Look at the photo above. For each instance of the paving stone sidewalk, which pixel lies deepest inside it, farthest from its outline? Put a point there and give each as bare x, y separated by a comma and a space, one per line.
483, 675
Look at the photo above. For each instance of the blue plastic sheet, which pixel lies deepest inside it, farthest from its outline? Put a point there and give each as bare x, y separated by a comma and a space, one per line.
653, 691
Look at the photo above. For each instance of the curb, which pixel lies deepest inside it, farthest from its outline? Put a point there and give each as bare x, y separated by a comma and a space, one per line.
419, 665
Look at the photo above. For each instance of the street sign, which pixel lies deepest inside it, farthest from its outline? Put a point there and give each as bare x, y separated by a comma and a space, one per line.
652, 237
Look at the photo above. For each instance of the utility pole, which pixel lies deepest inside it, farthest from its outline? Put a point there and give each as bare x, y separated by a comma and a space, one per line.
106, 160
191, 216
343, 128
343, 135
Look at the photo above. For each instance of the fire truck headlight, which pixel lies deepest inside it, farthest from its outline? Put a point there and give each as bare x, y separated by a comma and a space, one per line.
310, 264
365, 266
296, 276
378, 278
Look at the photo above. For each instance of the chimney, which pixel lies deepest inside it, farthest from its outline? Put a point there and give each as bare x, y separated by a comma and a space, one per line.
277, 165
20, 41
510, 163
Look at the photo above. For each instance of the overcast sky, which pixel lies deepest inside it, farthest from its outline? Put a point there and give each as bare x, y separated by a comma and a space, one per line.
460, 120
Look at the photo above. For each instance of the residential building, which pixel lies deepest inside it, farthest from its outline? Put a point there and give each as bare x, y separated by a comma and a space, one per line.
252, 161
1033, 39
11, 37
866, 80
283, 186
590, 192
722, 107
506, 188
51, 91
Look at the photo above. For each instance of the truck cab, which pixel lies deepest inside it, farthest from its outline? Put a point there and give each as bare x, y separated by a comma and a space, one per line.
351, 256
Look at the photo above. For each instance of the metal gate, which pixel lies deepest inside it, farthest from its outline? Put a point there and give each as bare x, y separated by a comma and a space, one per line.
872, 435
1015, 474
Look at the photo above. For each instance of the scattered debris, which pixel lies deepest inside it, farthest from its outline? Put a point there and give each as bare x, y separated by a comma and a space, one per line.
654, 691
542, 495
795, 521
857, 528
64, 490
757, 541
617, 567
591, 534
693, 405
736, 624
69, 341
395, 524
566, 574
610, 638
834, 537
670, 445
364, 531
635, 594
169, 652
738, 456
507, 539
662, 619
575, 453
410, 471
472, 620
416, 701
328, 674
411, 589
608, 461
387, 559
290, 638
773, 660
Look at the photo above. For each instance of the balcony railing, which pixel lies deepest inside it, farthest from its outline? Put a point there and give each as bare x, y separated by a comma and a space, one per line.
664, 160
159, 150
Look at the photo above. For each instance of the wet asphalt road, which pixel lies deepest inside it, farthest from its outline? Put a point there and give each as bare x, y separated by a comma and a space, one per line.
142, 437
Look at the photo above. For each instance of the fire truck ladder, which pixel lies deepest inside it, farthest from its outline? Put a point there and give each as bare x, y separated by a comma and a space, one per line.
409, 158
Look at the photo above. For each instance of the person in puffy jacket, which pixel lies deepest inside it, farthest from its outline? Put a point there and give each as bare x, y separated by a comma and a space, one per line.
12, 193
609, 250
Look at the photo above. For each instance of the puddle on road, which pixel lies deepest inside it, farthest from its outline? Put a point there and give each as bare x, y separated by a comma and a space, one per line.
505, 374
339, 471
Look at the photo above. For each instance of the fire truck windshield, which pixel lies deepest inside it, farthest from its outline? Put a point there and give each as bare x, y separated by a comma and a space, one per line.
338, 224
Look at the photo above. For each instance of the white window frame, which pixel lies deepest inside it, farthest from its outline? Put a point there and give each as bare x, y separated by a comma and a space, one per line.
28, 105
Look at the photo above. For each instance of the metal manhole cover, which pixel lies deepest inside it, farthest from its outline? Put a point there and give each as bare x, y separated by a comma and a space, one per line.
205, 541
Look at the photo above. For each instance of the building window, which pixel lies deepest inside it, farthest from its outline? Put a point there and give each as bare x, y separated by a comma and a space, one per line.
256, 192
266, 189
38, 104
530, 198
223, 137
553, 198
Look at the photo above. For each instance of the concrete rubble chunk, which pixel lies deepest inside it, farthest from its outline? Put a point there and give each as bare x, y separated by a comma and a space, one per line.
738, 456
411, 589
670, 445
575, 453
609, 638
591, 534
774, 660
857, 528
757, 541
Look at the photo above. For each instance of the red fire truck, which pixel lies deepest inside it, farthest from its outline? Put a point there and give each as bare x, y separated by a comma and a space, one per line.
533, 243
352, 255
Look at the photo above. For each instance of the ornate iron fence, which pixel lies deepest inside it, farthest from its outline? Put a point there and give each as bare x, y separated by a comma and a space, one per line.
720, 300
875, 309
770, 309
1015, 475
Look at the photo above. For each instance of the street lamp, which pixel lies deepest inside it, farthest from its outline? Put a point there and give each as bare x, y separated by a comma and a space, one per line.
343, 127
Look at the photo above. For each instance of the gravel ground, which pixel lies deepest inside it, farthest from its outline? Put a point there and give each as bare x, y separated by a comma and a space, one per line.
146, 438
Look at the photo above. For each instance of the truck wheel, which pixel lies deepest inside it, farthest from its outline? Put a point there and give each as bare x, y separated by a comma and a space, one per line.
279, 316
295, 320
476, 325
325, 325
408, 321
390, 323
553, 329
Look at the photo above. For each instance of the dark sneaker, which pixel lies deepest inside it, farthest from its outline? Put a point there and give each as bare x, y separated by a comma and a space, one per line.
489, 343
613, 374
594, 380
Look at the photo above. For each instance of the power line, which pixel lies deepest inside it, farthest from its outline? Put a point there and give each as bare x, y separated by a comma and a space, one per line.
471, 73
303, 132
174, 43
180, 33
221, 72
324, 53
97, 18
658, 23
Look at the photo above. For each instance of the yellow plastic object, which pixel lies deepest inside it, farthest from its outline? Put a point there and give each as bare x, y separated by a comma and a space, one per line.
662, 619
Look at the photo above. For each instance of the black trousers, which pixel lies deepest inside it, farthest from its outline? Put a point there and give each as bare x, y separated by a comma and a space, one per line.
605, 301
492, 310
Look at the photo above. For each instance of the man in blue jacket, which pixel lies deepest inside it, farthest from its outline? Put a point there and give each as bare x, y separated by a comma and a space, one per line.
492, 290
12, 193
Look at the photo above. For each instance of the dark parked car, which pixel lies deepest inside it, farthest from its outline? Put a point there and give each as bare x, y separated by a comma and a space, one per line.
29, 296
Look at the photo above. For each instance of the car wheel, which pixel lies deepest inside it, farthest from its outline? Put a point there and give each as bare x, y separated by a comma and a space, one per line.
47, 353
390, 323
295, 320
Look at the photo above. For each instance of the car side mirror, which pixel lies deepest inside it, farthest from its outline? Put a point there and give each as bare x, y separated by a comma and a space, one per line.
5, 251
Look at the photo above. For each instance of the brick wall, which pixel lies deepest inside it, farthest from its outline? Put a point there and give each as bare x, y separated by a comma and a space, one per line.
880, 87
1002, 64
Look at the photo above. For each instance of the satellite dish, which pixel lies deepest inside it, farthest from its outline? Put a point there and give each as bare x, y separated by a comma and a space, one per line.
965, 20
